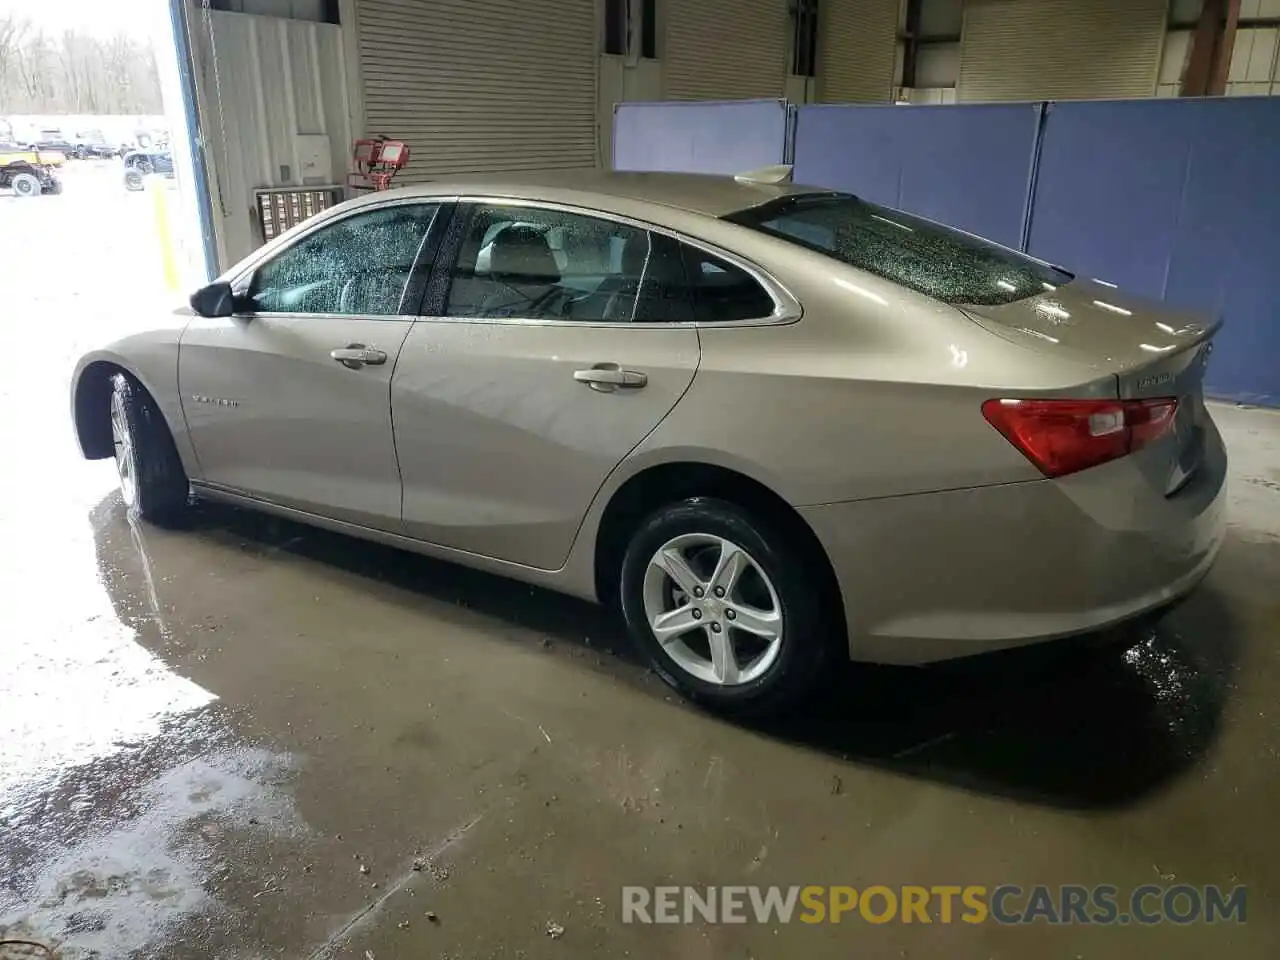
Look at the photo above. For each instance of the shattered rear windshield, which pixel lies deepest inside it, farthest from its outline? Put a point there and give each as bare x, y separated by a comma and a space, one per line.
938, 261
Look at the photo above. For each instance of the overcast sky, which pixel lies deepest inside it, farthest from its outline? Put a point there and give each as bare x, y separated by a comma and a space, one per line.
138, 18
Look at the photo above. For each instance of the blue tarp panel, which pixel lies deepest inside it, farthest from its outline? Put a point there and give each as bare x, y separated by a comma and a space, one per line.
727, 137
967, 165
1174, 199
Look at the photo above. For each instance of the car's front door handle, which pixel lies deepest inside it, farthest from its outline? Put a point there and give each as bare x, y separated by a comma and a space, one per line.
610, 376
357, 355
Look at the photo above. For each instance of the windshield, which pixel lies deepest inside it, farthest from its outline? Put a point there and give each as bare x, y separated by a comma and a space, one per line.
938, 261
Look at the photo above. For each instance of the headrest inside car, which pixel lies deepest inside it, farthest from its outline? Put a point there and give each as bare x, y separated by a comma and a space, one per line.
521, 254
634, 256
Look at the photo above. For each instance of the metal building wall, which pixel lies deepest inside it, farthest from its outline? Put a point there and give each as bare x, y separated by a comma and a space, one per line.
856, 49
475, 85
1255, 54
262, 84
621, 81
937, 47
1255, 63
1060, 49
725, 49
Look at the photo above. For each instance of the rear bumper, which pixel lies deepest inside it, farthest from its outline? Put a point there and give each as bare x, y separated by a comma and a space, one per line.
937, 576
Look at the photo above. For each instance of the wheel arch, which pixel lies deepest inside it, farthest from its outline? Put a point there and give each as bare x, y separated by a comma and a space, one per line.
14, 167
90, 403
668, 482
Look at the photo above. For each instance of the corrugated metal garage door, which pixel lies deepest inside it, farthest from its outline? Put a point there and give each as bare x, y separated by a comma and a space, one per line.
1060, 49
718, 51
477, 85
855, 49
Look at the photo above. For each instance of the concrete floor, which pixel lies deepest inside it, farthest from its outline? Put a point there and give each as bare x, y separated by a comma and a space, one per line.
207, 736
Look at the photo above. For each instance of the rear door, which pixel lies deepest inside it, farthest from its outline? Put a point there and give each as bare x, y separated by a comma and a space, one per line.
289, 401
555, 342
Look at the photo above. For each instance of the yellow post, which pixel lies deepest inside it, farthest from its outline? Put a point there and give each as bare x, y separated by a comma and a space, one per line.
164, 234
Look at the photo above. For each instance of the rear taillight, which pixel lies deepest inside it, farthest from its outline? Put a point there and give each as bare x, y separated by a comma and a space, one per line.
1063, 436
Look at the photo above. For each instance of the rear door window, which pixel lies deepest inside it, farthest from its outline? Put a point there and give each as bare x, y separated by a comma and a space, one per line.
529, 263
518, 262
930, 258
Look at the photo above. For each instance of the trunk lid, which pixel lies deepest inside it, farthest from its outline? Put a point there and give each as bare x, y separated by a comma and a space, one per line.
1151, 349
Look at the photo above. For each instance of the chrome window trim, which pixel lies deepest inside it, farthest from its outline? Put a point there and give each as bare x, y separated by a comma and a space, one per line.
786, 308
282, 315
604, 324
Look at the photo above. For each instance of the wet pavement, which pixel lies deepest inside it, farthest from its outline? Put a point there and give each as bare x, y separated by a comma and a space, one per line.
249, 739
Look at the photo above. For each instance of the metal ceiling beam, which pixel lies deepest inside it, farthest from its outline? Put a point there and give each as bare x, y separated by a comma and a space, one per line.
1224, 49
911, 42
1212, 44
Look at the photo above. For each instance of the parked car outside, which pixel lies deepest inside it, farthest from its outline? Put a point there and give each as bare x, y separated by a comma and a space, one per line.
777, 426
139, 164
55, 140
149, 161
28, 172
93, 145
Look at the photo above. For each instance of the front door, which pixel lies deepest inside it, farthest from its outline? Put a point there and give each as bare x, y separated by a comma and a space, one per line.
556, 349
290, 402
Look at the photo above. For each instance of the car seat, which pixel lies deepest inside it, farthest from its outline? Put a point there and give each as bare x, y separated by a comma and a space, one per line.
524, 272
622, 289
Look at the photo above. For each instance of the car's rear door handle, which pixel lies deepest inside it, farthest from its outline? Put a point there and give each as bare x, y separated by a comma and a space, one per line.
610, 376
357, 355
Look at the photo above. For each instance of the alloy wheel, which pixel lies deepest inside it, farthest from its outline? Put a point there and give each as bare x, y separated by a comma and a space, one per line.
122, 439
713, 609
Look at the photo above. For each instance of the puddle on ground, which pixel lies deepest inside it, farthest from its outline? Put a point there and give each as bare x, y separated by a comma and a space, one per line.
121, 888
85, 695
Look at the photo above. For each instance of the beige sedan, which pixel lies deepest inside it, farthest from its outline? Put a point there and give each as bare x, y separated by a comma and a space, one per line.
776, 425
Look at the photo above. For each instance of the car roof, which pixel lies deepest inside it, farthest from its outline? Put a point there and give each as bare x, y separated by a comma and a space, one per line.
705, 194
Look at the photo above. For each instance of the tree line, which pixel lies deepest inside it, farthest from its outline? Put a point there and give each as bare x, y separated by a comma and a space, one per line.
74, 72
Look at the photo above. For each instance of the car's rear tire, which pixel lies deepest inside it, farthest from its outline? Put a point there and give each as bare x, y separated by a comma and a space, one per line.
153, 483
700, 571
25, 185
133, 179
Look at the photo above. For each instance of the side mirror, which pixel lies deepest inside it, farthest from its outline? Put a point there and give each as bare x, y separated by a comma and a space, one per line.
215, 300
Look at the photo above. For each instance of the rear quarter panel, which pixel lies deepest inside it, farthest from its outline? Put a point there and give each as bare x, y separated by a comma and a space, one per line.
874, 392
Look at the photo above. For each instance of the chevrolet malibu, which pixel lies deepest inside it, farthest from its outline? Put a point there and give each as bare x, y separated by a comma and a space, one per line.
776, 425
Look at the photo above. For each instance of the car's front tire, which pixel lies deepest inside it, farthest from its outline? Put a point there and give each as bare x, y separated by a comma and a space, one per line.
727, 607
153, 483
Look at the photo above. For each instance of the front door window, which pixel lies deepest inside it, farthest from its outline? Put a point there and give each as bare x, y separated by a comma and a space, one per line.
358, 266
